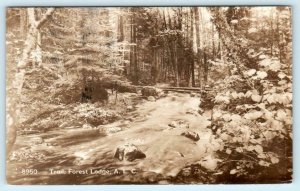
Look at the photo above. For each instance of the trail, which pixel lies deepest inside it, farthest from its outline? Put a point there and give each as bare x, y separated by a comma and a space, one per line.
167, 151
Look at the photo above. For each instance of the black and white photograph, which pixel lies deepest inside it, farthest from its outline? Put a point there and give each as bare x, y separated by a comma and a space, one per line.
149, 95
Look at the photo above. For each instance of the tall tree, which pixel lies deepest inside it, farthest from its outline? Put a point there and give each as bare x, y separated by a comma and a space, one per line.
198, 45
191, 46
33, 43
133, 47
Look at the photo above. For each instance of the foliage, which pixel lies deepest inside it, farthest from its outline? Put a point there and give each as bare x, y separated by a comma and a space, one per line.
252, 117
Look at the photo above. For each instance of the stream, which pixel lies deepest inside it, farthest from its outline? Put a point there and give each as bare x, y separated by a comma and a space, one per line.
88, 158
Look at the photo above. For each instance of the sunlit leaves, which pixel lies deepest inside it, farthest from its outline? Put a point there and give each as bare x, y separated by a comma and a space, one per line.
258, 110
217, 114
234, 21
261, 74
253, 115
283, 98
258, 149
235, 117
263, 163
256, 97
261, 156
228, 151
227, 117
270, 64
239, 149
274, 160
250, 72
281, 115
224, 136
222, 99
281, 75
233, 171
252, 30
269, 135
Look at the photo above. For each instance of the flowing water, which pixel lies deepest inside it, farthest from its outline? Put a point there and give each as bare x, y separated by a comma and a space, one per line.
86, 157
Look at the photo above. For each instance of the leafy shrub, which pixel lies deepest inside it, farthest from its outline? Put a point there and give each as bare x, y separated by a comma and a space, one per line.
255, 122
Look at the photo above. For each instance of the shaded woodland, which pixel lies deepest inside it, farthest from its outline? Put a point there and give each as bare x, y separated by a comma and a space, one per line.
76, 74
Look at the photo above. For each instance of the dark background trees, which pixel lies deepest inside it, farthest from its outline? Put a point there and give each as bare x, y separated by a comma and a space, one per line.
57, 57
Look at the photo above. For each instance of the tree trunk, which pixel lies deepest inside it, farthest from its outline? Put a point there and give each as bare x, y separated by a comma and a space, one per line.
213, 41
23, 22
13, 103
120, 28
191, 45
133, 48
205, 68
197, 26
236, 53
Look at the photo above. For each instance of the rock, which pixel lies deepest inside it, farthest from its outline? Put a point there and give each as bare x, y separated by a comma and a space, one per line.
173, 98
193, 94
207, 100
129, 108
87, 126
130, 152
37, 140
149, 91
192, 135
179, 124
151, 98
64, 124
100, 94
130, 119
195, 173
161, 94
192, 112
113, 129
94, 93
200, 111
209, 162
78, 161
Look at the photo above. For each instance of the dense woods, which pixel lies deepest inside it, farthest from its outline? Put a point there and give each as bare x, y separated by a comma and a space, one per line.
88, 68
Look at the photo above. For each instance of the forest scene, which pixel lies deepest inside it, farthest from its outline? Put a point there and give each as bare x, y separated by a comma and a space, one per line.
149, 95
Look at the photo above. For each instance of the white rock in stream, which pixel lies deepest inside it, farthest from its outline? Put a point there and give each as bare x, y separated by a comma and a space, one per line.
113, 129
151, 98
87, 126
191, 135
179, 124
192, 112
209, 162
129, 108
37, 140
130, 152
193, 94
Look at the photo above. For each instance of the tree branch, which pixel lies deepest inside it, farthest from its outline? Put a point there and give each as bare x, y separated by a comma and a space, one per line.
45, 17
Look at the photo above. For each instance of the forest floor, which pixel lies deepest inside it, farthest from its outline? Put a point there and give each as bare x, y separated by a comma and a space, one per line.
147, 126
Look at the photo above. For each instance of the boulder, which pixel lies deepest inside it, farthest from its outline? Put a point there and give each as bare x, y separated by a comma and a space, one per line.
37, 140
149, 91
192, 112
179, 124
130, 152
151, 98
195, 173
99, 94
87, 126
209, 162
161, 94
201, 111
94, 93
113, 129
193, 94
129, 108
173, 98
191, 135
